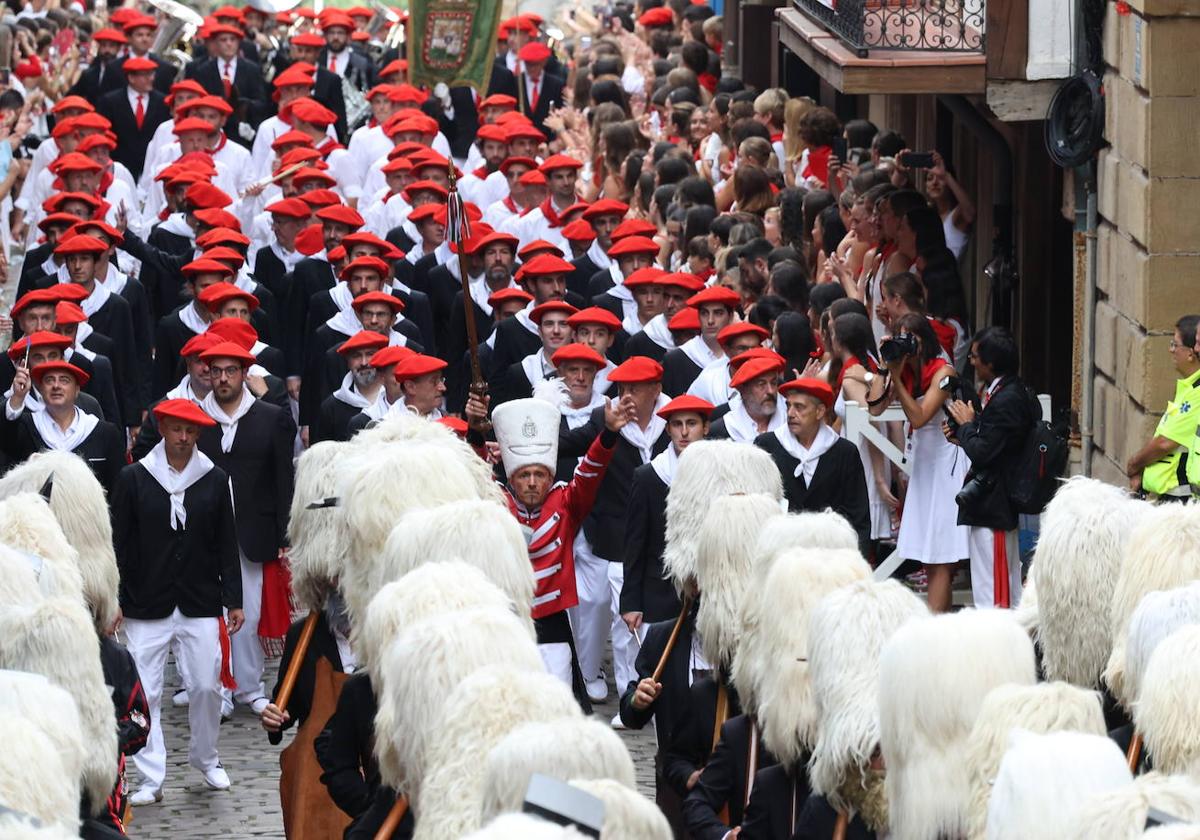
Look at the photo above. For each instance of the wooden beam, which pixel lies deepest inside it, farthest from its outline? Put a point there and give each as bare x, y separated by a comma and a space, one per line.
1014, 101
1007, 38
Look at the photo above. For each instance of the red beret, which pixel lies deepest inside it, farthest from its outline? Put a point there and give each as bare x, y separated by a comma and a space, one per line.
341, 214
546, 264
644, 277
576, 353
392, 355
418, 365
454, 424
498, 100
684, 320
491, 132
543, 309
660, 16
61, 366
67, 313
754, 353
519, 130
214, 217
228, 350
682, 280
69, 291
636, 369
42, 338
510, 162
81, 244
496, 237
633, 245
57, 219
75, 162
365, 237
595, 315
732, 331
534, 52
218, 294
425, 186
222, 236
578, 231
37, 297
363, 340
533, 177
110, 34
753, 369
818, 388
207, 266
216, 103
139, 65
559, 162
511, 293
206, 197
424, 213
193, 124
606, 207
311, 111
232, 329
292, 208
634, 227
362, 300
308, 39
686, 402
369, 263
182, 409
722, 295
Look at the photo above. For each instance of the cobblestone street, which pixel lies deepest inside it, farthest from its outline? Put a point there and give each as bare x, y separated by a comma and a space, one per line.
251, 807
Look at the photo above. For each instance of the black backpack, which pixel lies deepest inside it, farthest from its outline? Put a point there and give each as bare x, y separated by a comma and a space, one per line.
1034, 476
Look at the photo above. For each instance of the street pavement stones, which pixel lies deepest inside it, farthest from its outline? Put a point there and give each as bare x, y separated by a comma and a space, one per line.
250, 809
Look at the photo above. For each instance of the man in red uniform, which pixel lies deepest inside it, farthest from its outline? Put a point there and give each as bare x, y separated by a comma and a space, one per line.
550, 514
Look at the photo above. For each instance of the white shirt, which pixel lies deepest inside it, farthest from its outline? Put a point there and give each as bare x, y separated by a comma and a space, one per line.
337, 62
227, 69
134, 96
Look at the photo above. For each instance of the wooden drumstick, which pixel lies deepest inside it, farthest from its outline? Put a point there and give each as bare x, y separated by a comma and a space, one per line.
392, 822
839, 827
293, 671
674, 637
1134, 753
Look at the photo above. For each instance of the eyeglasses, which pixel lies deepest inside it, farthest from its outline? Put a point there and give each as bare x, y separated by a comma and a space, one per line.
225, 372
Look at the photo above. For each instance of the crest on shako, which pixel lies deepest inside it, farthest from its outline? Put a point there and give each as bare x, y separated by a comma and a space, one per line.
529, 428
447, 35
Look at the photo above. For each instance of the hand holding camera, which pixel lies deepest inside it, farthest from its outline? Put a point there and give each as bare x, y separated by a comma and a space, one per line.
894, 349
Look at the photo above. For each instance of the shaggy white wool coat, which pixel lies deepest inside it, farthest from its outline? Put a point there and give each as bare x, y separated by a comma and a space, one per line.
479, 532
33, 780
567, 748
1163, 552
55, 638
709, 469
13, 827
724, 564
378, 486
1080, 550
1121, 814
627, 814
772, 661
318, 537
1043, 780
32, 699
78, 503
478, 714
1167, 710
1173, 832
1041, 708
847, 630
809, 529
422, 666
35, 557
1157, 616
934, 674
524, 827
426, 592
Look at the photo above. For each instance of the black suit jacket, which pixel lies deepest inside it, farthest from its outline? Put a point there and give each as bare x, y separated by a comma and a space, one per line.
324, 645
308, 277
360, 72
645, 588
259, 465
679, 372
641, 344
993, 441
249, 97
604, 525
722, 783
550, 93
131, 150
691, 741
838, 483
269, 271
818, 818
776, 802
103, 450
114, 76
667, 708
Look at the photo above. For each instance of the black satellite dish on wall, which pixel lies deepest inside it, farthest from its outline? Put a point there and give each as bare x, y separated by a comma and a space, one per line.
1075, 120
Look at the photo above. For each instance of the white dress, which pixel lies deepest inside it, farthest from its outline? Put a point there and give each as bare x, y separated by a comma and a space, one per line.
929, 529
881, 514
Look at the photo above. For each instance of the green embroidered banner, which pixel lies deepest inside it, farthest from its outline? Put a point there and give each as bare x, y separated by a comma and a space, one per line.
452, 41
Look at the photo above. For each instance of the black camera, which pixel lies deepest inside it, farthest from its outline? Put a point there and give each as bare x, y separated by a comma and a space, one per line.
956, 388
897, 347
975, 492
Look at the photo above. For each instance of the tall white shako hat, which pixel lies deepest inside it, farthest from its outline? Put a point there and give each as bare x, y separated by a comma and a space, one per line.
527, 431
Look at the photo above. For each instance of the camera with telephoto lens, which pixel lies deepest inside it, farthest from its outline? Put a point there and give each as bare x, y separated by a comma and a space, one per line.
956, 388
897, 347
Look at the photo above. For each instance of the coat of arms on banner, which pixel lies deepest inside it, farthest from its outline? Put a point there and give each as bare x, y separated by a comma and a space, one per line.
447, 35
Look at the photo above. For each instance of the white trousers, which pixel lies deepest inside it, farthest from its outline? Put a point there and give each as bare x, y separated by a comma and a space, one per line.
244, 647
556, 656
197, 646
985, 547
598, 616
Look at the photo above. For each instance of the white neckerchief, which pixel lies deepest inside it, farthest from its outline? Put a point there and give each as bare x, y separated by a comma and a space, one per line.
713, 383
523, 317
340, 294
350, 395
401, 409
600, 384
344, 321
742, 427
82, 351
114, 280
33, 401
64, 441
618, 289
82, 332
808, 458
698, 351
243, 280
92, 303
183, 391
288, 258
630, 322
177, 224
644, 439
657, 331
481, 291
176, 483
257, 347
665, 463
577, 417
378, 409
596, 254
537, 367
190, 316
228, 422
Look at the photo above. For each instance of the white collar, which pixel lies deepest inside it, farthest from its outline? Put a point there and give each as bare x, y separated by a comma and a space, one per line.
190, 315
665, 463
596, 254
657, 331
743, 428
350, 395
808, 458
173, 482
64, 440
537, 367
699, 352
644, 439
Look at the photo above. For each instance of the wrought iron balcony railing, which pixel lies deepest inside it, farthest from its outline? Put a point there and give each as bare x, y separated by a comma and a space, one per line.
939, 25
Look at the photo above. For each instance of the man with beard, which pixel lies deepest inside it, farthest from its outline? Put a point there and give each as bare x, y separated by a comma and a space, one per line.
337, 55
522, 378
820, 470
498, 252
61, 425
252, 443
647, 595
359, 388
422, 387
717, 307
756, 407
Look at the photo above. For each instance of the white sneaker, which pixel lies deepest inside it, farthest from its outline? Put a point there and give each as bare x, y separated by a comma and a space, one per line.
597, 689
146, 796
617, 723
216, 778
180, 697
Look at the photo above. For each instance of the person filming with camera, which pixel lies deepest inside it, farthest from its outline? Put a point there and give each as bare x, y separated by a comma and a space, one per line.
918, 368
992, 437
